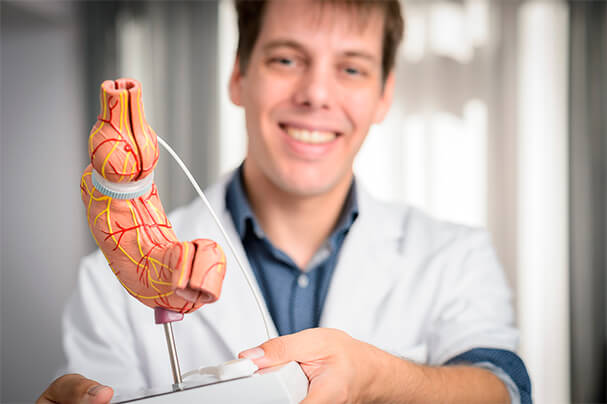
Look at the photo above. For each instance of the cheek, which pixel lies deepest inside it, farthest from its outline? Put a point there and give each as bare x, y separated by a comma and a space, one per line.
361, 112
266, 91
360, 105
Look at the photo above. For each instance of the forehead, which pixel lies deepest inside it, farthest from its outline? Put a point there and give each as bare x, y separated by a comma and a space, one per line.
323, 25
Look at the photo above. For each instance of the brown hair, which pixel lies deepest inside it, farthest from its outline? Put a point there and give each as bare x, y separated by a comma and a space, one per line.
250, 17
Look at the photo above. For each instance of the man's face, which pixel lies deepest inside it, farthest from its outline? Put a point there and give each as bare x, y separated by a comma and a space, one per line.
312, 89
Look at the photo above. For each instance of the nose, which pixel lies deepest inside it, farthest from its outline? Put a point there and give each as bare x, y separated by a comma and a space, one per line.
316, 88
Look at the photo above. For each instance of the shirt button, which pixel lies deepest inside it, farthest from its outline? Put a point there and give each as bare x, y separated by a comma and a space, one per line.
303, 281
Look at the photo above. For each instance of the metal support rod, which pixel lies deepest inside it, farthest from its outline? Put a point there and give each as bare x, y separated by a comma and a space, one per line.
168, 332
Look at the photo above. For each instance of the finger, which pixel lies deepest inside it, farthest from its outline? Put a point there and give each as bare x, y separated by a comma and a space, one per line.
304, 346
74, 388
98, 394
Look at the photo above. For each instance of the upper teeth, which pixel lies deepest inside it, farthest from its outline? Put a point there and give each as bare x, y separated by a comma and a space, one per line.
310, 136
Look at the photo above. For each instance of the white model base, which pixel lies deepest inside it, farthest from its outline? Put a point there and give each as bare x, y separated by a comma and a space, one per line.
285, 384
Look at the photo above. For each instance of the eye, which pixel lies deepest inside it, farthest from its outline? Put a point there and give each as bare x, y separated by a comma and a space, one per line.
355, 70
352, 71
283, 61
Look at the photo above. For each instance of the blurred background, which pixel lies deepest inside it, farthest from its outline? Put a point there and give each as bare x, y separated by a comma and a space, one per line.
499, 120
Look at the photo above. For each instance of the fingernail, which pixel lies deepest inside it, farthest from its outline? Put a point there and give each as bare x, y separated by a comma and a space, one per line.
188, 294
254, 353
95, 389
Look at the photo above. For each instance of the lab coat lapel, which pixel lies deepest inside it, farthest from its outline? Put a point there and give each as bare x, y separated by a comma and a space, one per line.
365, 271
235, 317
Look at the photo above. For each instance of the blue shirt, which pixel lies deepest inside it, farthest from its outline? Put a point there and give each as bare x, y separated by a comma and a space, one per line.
294, 296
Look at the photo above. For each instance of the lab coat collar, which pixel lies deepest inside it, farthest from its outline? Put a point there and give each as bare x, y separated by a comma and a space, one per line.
362, 268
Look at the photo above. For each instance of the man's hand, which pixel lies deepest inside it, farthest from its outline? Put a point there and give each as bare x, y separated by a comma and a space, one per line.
342, 369
76, 389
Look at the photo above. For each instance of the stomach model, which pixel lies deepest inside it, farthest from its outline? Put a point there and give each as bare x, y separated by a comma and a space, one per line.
126, 217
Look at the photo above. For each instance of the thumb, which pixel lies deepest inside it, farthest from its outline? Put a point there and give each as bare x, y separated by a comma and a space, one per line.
75, 388
299, 347
271, 353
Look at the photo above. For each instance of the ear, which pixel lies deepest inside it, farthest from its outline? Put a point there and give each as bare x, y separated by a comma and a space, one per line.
235, 83
386, 99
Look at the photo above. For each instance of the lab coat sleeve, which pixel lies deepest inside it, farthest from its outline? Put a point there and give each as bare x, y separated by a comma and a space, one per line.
474, 306
97, 335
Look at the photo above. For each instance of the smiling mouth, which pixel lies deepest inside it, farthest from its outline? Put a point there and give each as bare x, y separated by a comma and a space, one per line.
309, 136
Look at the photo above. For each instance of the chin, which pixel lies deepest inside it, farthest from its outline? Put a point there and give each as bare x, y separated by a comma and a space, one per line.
307, 186
305, 190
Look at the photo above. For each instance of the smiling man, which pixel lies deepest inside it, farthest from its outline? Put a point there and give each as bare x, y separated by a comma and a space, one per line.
310, 94
377, 302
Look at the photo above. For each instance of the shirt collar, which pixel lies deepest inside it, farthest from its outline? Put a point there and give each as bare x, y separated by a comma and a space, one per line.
238, 205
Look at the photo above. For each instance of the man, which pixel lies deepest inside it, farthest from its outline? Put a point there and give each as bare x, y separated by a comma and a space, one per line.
409, 309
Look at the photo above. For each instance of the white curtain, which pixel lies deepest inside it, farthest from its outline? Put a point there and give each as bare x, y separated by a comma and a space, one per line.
432, 149
170, 46
448, 144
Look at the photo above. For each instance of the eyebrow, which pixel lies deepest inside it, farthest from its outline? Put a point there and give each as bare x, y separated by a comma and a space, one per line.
283, 42
296, 45
358, 54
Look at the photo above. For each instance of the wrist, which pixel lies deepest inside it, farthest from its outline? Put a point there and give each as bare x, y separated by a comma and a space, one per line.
396, 380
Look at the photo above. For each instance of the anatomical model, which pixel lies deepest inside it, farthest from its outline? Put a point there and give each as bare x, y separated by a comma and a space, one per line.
129, 225
127, 219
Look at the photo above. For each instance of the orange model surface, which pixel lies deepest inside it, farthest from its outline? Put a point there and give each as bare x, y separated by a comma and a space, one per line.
127, 219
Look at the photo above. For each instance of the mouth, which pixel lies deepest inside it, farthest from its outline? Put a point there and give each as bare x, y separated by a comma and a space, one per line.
309, 136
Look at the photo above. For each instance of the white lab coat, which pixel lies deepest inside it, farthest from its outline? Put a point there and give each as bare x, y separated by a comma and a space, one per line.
416, 287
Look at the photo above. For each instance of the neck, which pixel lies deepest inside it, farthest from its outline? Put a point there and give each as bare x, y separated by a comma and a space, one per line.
296, 224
